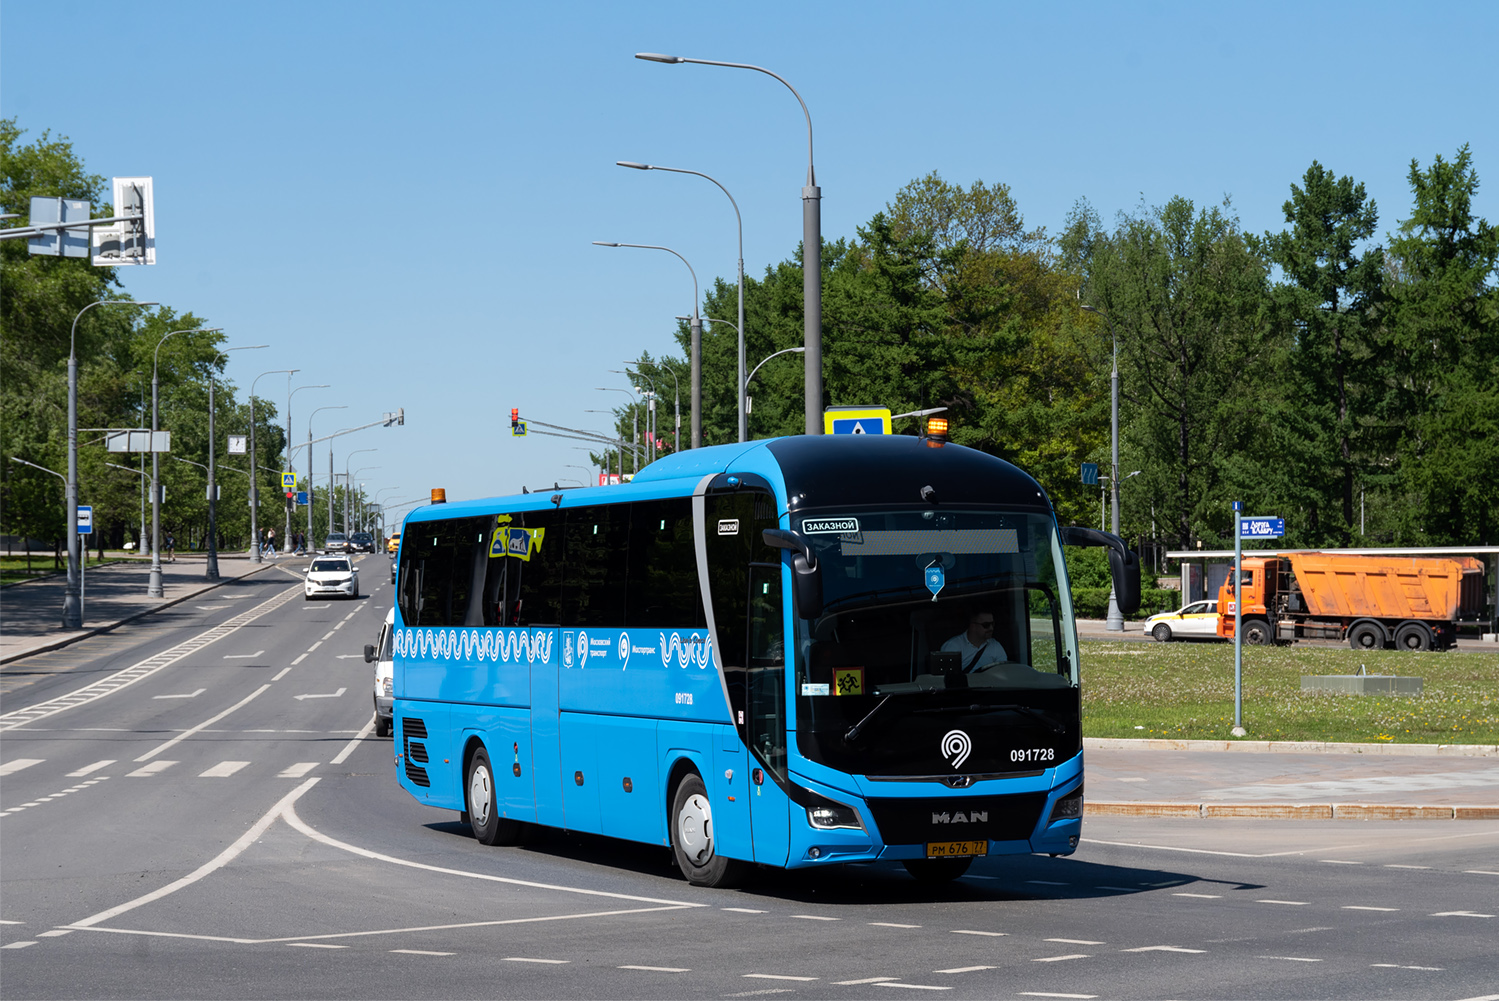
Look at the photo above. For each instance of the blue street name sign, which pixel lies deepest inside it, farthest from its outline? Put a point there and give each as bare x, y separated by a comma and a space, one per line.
1261, 528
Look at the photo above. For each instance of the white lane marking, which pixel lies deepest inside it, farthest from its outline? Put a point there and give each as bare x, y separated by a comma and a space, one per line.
1479, 872
814, 917
1046, 882
969, 931
1200, 896
11, 767
1392, 865
337, 628
297, 823
958, 969
146, 771
523, 959
422, 952
1121, 889
1486, 997
914, 987
1397, 966
658, 969
203, 725
1204, 851
144, 669
1288, 903
4, 921
327, 636
297, 770
314, 646
349, 656
743, 910
775, 976
1058, 959
351, 615
223, 770
343, 755
314, 945
1045, 994
55, 933
1460, 914
282, 674
891, 924
218, 862
323, 695
300, 658
859, 983
188, 695
1074, 941
89, 769
1291, 959
17, 945
1163, 948
1334, 861
243, 656
1358, 907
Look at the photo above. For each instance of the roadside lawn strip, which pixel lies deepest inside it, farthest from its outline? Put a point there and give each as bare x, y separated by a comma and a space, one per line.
1185, 691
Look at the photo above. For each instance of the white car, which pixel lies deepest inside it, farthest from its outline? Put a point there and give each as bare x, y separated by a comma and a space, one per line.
331, 577
379, 654
1198, 620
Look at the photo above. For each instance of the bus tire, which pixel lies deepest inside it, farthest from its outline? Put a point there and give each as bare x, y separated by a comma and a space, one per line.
937, 870
1257, 632
483, 805
1413, 636
692, 841
1366, 636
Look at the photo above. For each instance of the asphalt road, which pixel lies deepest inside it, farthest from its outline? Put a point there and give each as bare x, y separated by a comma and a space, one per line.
181, 818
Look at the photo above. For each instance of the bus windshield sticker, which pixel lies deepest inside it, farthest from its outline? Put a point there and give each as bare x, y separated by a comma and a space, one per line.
517, 542
848, 680
935, 578
811, 689
834, 526
728, 526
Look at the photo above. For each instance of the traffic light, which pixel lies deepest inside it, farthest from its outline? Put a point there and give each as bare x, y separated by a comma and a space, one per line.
514, 418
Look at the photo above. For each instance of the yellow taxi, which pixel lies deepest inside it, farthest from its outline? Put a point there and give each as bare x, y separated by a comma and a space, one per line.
394, 543
1199, 620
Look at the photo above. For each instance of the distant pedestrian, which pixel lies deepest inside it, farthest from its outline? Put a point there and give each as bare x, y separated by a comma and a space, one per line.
171, 548
270, 543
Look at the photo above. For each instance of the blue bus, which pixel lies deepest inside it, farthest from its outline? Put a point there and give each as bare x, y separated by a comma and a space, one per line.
793, 652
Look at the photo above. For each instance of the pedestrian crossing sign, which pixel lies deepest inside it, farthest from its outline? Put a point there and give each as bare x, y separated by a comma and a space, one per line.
288, 481
856, 420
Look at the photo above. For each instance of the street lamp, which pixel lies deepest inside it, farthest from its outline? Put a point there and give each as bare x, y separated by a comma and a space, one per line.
310, 416
739, 379
634, 423
784, 351
811, 248
676, 389
292, 466
1116, 620
349, 483
72, 602
211, 569
697, 340
650, 411
254, 482
153, 585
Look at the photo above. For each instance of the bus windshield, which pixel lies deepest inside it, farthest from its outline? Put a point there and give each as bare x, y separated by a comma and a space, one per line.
940, 611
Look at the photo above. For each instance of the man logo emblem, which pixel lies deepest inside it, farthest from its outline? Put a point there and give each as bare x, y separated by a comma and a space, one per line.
956, 746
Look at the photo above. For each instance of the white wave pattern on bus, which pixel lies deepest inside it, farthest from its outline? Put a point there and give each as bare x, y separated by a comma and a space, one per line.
502, 646
696, 650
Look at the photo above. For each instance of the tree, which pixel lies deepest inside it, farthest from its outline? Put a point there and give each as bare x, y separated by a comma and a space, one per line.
1326, 308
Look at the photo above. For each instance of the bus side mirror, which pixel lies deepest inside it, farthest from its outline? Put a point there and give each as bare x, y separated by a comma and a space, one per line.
1124, 566
806, 575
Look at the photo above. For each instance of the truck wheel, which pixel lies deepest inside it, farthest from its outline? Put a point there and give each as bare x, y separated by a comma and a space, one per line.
1412, 636
1366, 636
1257, 632
692, 841
1161, 632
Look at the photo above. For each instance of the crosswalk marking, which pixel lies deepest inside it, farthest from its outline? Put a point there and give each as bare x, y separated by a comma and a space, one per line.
223, 769
11, 767
146, 771
298, 770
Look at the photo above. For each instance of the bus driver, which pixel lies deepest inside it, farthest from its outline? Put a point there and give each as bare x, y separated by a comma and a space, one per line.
977, 646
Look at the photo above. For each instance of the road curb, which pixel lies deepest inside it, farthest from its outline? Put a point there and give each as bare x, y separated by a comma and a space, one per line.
84, 634
1288, 747
1294, 811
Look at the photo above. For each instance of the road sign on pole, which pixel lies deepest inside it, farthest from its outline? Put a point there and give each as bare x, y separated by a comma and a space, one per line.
1262, 528
85, 520
856, 420
1090, 474
288, 481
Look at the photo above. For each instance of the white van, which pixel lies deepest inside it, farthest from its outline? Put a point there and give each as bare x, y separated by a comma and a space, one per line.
380, 655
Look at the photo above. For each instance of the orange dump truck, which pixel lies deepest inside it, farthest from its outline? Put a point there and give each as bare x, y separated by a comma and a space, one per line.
1372, 601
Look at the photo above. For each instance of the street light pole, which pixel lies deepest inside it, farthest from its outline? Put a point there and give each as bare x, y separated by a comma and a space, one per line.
739, 379
255, 468
310, 416
634, 425
676, 390
349, 480
1115, 622
811, 248
153, 585
650, 411
292, 466
697, 339
783, 351
211, 569
72, 601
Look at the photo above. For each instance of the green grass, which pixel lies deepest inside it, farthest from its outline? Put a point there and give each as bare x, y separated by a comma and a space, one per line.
13, 568
1186, 691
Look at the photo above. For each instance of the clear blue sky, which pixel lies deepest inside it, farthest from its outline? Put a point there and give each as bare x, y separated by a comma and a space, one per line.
400, 198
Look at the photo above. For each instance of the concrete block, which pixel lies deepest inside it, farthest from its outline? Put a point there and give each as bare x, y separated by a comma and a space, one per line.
1476, 812
1142, 809
1390, 811
1270, 811
1361, 684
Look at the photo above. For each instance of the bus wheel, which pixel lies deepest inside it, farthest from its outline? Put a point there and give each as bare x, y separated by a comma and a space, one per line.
1412, 636
483, 808
937, 870
692, 841
1257, 632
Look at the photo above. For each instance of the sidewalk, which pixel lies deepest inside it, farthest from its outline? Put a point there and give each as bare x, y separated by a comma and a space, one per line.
32, 612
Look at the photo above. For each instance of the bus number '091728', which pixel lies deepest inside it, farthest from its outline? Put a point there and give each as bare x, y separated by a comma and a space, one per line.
1034, 754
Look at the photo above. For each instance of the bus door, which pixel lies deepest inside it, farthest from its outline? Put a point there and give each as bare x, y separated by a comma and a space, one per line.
766, 716
546, 736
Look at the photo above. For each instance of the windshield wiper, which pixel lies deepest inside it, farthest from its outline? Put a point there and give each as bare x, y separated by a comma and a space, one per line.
853, 732
978, 710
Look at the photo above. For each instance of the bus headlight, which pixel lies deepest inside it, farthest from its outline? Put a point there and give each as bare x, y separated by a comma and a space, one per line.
1069, 807
826, 815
